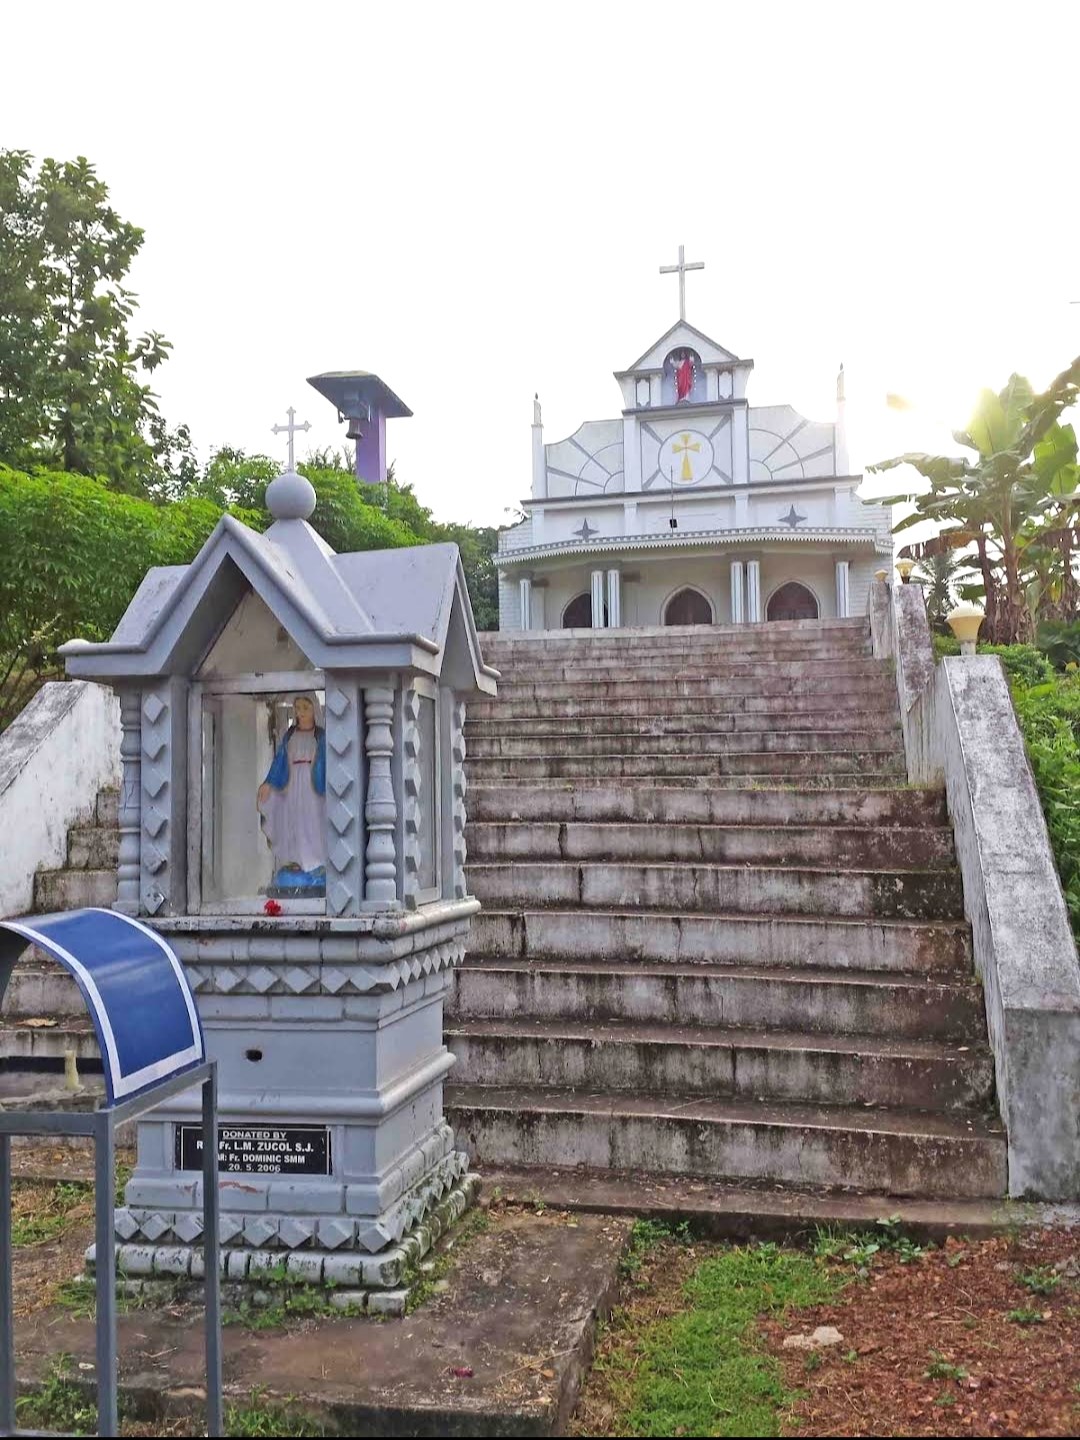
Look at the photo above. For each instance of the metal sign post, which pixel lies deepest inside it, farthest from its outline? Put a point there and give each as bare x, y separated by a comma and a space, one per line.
153, 1048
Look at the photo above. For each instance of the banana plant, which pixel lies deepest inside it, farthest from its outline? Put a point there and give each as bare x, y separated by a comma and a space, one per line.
1011, 502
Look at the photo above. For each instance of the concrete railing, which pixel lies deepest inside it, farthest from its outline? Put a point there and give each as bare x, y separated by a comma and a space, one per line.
960, 728
54, 758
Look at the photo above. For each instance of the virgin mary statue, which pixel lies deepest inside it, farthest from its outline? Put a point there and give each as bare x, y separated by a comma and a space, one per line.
292, 804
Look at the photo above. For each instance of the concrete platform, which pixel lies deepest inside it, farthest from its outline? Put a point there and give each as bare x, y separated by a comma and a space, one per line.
519, 1310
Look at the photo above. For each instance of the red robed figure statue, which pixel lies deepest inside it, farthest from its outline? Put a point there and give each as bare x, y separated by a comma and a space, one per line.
684, 378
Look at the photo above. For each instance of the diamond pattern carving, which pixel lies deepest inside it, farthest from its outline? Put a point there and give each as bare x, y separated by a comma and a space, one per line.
337, 702
153, 708
261, 979
153, 820
342, 815
334, 980
300, 981
293, 1231
258, 1231
152, 858
154, 781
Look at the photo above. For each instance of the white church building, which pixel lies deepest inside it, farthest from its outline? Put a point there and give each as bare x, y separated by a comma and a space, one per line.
691, 507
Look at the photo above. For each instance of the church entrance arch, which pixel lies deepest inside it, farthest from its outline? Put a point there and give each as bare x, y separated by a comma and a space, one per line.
688, 607
578, 614
792, 602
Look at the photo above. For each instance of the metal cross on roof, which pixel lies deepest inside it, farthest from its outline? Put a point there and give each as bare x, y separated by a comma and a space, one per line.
586, 532
680, 269
792, 518
290, 429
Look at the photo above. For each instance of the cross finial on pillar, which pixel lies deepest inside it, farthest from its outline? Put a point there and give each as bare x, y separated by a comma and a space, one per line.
290, 429
680, 269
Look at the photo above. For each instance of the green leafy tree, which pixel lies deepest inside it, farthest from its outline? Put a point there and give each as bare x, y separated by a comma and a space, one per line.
72, 396
940, 576
1013, 501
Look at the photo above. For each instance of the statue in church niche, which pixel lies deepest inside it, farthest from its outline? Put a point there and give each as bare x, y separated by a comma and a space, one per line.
292, 805
683, 374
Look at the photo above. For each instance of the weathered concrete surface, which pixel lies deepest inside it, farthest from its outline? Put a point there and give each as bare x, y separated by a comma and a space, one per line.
54, 758
728, 1212
959, 722
520, 1311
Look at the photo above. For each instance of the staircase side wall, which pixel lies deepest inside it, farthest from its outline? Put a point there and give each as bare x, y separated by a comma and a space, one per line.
960, 726
54, 758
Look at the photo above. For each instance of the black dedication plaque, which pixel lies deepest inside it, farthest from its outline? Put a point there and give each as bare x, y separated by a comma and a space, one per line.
259, 1149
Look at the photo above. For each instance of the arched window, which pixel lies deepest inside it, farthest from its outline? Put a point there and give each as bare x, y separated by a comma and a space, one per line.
688, 607
578, 614
792, 602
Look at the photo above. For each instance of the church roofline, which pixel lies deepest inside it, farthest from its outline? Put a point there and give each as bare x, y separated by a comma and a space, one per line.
683, 539
704, 492
679, 325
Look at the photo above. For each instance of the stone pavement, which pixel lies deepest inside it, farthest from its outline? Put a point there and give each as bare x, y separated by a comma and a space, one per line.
518, 1311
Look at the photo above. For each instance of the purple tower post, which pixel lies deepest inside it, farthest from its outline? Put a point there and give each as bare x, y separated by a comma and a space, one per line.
366, 403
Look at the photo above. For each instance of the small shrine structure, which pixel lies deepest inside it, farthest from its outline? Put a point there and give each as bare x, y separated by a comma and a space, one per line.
292, 820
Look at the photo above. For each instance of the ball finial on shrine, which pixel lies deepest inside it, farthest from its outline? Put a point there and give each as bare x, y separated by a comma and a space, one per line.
290, 497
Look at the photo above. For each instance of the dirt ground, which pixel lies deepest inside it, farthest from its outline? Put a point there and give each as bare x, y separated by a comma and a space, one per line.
953, 1343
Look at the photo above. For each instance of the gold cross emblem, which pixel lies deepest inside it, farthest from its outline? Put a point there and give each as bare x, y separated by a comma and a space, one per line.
684, 449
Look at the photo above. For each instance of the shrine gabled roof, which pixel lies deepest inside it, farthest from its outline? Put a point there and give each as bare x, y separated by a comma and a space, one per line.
378, 609
682, 333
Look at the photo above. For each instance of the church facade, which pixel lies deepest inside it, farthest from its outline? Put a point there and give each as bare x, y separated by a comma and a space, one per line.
691, 507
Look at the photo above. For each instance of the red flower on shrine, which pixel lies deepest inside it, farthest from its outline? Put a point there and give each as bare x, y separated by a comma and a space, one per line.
272, 907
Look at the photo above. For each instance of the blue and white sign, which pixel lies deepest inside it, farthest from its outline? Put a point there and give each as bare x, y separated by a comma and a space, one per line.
135, 989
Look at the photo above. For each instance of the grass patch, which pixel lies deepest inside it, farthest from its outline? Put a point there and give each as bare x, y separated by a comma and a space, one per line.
263, 1417
703, 1369
59, 1404
41, 1213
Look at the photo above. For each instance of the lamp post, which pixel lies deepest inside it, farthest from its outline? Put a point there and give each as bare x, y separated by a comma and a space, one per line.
904, 569
964, 622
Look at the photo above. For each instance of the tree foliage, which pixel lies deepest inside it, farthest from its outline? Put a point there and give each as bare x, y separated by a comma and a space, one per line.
1013, 504
72, 393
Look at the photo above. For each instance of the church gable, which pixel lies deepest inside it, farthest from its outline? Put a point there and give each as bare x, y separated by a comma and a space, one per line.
589, 462
784, 445
682, 336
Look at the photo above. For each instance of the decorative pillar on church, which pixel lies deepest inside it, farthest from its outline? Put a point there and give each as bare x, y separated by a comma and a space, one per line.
753, 591
738, 608
841, 589
614, 597
598, 599
525, 591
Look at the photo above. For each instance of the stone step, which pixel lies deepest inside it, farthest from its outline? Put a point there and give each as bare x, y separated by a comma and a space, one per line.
73, 889
855, 668
746, 764
680, 722
19, 1041
835, 846
40, 988
600, 800
878, 696
744, 889
591, 692
533, 645
636, 936
740, 1063
722, 742
688, 658
895, 1152
821, 1001
629, 634
93, 847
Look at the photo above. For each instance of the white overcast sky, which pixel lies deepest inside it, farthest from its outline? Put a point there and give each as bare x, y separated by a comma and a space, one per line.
474, 200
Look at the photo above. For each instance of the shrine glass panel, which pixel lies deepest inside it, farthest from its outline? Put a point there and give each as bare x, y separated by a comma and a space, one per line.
262, 807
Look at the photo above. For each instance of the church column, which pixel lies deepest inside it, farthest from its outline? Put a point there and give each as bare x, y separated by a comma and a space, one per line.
841, 589
598, 599
614, 597
738, 609
753, 591
525, 592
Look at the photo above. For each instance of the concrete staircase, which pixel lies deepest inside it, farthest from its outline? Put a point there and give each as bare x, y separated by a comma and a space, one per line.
721, 936
44, 1016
